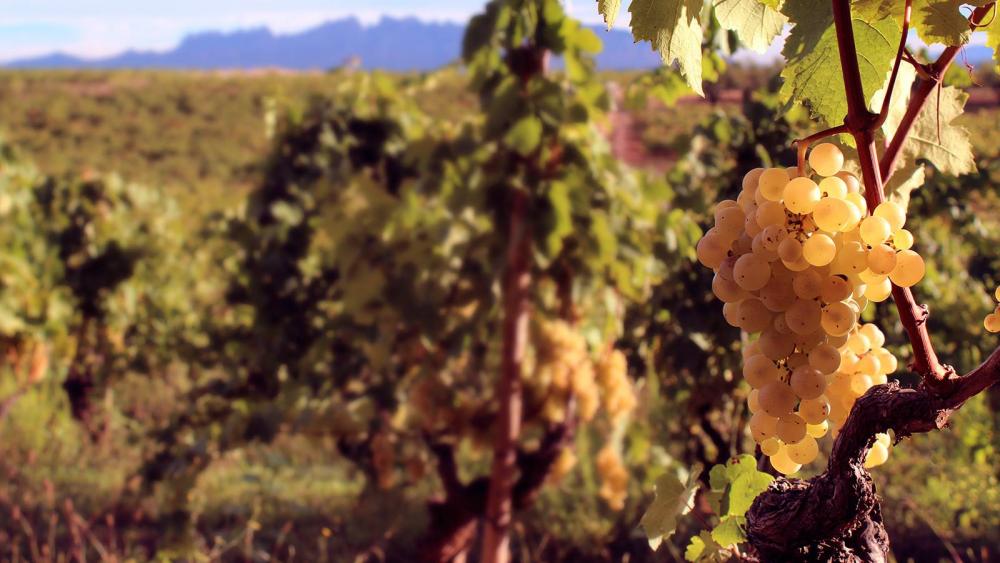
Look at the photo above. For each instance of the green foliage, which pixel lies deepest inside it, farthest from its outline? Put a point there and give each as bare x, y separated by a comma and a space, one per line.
674, 498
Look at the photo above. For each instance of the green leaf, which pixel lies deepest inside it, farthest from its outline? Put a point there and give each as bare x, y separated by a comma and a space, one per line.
745, 489
993, 42
948, 148
730, 532
525, 136
562, 217
812, 75
904, 180
939, 21
703, 548
609, 9
718, 478
755, 23
873, 10
673, 30
740, 465
673, 499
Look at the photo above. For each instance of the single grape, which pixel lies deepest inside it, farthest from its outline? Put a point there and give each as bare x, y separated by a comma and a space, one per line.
869, 365
819, 250
807, 284
859, 343
804, 316
775, 345
759, 248
838, 318
772, 183
818, 430
814, 411
834, 289
831, 214
992, 323
763, 426
909, 269
753, 315
751, 179
727, 291
790, 250
853, 184
879, 291
777, 399
825, 358
760, 371
804, 451
826, 159
751, 272
773, 236
801, 195
858, 201
730, 220
882, 259
790, 428
875, 230
783, 464
878, 455
731, 312
771, 213
875, 335
711, 250
770, 446
833, 187
807, 382
893, 213
902, 239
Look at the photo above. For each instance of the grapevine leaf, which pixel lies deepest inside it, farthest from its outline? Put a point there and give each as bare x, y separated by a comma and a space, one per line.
694, 549
873, 10
525, 135
812, 74
907, 177
703, 548
730, 532
609, 9
745, 489
718, 478
561, 217
900, 99
740, 465
951, 151
939, 21
755, 23
673, 499
673, 30
993, 41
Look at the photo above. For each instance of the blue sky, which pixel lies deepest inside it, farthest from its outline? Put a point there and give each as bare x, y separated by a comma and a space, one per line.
102, 27
94, 28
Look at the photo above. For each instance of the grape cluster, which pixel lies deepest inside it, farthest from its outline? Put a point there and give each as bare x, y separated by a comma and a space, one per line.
563, 367
992, 322
796, 261
614, 477
617, 396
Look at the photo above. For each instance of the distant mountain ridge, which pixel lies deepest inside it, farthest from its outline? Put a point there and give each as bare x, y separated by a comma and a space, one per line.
395, 44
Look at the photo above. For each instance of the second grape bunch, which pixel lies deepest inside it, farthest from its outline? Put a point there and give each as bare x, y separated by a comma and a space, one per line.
796, 260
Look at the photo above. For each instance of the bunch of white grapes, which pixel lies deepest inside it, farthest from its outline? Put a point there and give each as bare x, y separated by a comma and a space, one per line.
614, 477
563, 367
992, 322
796, 261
